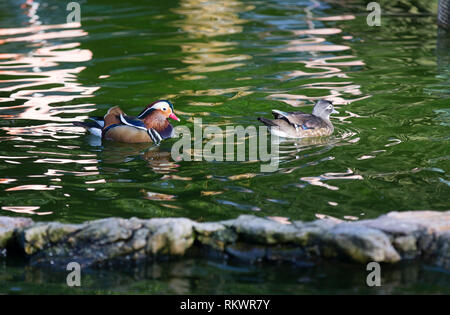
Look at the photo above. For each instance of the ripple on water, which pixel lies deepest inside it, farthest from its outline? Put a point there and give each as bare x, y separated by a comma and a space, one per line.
226, 63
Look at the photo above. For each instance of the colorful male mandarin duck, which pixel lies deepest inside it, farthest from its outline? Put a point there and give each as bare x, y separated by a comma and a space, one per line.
302, 125
151, 125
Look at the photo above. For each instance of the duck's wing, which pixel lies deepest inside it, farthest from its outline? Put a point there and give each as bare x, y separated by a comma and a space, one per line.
98, 120
308, 121
280, 127
92, 126
278, 114
131, 130
300, 119
132, 121
139, 124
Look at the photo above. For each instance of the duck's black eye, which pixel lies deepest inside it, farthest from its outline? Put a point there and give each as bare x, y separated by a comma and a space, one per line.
164, 108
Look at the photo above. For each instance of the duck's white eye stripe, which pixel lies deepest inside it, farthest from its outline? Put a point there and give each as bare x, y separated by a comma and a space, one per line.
160, 105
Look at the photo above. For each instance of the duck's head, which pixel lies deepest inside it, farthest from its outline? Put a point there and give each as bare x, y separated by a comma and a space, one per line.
162, 107
324, 109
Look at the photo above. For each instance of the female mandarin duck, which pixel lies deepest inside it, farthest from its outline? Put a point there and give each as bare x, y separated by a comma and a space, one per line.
151, 125
302, 125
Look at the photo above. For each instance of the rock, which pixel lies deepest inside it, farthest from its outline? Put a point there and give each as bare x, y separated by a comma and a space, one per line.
101, 241
411, 222
261, 230
8, 226
170, 236
5, 236
10, 222
406, 245
311, 233
391, 226
413, 233
34, 238
246, 252
139, 239
442, 252
106, 231
37, 237
359, 243
215, 235
433, 221
390, 238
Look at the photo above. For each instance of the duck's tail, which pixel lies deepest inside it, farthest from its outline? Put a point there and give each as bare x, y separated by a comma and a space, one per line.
94, 127
267, 122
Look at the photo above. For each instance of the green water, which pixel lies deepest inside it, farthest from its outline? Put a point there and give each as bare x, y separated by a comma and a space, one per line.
189, 276
227, 63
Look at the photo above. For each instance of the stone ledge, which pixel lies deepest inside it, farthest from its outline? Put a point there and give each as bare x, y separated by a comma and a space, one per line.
390, 238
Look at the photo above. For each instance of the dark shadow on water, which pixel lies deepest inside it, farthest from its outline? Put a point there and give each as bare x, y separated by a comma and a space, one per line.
216, 276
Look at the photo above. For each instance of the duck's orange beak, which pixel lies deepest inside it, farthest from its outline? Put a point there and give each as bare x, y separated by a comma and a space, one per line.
173, 116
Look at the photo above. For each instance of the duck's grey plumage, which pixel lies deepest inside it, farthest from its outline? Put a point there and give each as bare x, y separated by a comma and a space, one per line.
299, 124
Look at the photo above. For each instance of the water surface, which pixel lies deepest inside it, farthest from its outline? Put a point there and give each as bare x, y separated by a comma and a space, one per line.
226, 62
213, 276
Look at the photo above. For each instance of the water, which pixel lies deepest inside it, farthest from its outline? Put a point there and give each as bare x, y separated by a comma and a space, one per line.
189, 276
226, 63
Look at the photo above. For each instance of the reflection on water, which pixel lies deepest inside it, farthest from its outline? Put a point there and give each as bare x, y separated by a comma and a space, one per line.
40, 83
25, 210
215, 276
37, 68
36, 78
313, 41
328, 68
203, 22
319, 180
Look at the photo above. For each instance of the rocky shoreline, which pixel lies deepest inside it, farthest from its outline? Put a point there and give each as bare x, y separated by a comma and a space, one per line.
390, 238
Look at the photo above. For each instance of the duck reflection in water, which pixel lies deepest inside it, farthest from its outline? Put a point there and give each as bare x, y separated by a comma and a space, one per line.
158, 158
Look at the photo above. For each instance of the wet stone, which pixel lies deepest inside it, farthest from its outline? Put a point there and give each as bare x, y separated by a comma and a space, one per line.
8, 226
390, 238
262, 230
246, 252
360, 244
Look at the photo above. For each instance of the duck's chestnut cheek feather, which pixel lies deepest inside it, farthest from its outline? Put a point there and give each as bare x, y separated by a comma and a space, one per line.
173, 116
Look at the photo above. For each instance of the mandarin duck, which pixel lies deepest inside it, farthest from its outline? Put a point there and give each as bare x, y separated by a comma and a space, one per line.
151, 125
302, 125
